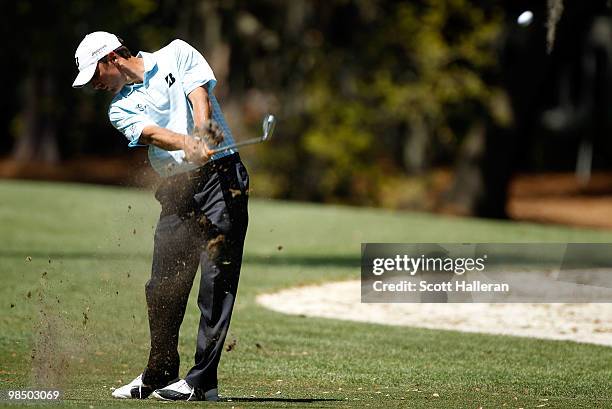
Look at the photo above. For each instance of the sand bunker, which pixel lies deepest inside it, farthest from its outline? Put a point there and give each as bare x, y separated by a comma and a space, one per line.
590, 323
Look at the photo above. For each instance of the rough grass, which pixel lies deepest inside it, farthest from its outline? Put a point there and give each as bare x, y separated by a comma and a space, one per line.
74, 260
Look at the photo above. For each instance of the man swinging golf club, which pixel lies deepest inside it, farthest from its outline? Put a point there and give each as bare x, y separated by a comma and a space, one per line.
161, 100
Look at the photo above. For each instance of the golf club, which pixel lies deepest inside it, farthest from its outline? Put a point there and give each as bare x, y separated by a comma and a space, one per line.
268, 124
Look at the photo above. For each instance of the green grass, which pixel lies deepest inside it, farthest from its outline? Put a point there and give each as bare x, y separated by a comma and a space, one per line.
73, 316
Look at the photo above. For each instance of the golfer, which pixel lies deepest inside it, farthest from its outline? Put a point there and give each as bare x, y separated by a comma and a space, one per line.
161, 100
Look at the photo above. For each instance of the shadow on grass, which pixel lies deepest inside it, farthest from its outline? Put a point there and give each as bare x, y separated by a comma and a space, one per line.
293, 400
304, 260
228, 399
73, 255
269, 260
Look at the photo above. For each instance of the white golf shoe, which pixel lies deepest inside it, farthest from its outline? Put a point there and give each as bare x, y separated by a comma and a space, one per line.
133, 390
181, 390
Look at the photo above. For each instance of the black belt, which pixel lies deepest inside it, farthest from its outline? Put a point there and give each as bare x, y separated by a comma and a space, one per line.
213, 166
205, 170
178, 187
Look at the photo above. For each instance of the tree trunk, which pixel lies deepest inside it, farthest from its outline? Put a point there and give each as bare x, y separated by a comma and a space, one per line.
217, 51
37, 138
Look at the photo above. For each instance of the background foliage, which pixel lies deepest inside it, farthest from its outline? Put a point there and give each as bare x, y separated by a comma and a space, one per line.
365, 90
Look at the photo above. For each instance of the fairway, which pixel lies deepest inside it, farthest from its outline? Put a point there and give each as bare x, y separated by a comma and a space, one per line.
74, 260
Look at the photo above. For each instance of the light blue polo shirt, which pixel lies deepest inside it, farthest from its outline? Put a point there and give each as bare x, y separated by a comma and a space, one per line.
171, 73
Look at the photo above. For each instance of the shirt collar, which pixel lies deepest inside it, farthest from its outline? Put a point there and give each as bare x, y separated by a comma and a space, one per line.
150, 67
150, 63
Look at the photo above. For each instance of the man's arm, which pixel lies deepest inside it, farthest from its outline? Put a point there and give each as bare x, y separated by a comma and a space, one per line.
200, 103
196, 150
205, 127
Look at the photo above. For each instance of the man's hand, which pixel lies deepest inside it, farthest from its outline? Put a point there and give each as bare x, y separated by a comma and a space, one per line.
196, 150
196, 147
210, 132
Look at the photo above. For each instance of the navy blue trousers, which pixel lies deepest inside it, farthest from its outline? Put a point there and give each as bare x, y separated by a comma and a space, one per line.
203, 223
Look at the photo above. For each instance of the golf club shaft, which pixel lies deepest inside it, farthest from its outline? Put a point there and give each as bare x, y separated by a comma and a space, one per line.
236, 145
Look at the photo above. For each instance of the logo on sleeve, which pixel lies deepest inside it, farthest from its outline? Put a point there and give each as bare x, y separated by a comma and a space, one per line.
170, 80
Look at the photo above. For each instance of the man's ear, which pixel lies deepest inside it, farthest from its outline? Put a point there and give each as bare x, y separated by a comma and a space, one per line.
113, 58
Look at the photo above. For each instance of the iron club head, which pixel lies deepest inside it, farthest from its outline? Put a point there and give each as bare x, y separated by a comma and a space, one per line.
269, 122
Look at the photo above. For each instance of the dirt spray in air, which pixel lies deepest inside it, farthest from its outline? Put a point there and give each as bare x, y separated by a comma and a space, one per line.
58, 347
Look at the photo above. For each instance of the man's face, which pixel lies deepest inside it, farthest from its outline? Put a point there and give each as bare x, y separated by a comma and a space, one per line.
108, 78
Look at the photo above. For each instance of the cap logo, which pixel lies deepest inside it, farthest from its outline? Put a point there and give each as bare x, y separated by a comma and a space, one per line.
98, 51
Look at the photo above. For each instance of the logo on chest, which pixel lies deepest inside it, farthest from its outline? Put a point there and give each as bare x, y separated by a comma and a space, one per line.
170, 80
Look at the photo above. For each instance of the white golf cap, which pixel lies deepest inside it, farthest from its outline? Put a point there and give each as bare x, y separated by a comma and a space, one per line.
93, 47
